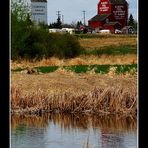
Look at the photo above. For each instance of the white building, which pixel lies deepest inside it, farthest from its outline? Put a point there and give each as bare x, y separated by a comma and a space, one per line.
63, 30
68, 30
39, 11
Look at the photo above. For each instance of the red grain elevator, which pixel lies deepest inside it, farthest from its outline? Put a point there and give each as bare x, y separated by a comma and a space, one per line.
111, 14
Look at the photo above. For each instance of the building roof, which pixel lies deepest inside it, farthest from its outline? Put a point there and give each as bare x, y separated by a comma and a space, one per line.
127, 27
38, 0
99, 17
118, 1
111, 23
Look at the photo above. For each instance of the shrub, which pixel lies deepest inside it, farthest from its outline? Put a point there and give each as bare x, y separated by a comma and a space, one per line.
63, 45
29, 41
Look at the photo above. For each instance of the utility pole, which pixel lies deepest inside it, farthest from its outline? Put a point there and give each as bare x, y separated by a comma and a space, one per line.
59, 23
84, 16
62, 19
58, 14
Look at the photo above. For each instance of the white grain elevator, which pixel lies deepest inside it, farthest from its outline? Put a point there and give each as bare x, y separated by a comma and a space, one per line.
39, 11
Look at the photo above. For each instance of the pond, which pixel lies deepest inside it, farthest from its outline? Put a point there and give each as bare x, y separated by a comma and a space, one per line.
73, 131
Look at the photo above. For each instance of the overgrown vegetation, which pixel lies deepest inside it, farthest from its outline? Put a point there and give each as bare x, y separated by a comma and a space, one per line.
30, 41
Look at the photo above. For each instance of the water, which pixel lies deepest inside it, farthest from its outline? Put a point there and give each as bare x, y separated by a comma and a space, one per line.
63, 131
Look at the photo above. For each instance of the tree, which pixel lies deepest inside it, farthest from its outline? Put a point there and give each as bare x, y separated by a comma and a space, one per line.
27, 40
131, 21
20, 9
20, 26
59, 23
79, 23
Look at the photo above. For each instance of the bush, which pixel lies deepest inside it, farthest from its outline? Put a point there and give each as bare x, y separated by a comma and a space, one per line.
63, 46
29, 41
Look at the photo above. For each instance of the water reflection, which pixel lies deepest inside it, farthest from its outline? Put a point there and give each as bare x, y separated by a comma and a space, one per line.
64, 131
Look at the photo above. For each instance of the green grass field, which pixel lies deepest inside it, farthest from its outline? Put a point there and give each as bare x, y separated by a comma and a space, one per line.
101, 69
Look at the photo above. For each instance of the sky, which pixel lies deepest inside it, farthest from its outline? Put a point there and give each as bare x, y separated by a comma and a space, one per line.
72, 11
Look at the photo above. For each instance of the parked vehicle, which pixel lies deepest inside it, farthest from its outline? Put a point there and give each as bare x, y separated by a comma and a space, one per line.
117, 31
68, 30
104, 31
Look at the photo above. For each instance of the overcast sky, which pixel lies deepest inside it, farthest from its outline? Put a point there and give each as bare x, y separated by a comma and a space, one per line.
72, 11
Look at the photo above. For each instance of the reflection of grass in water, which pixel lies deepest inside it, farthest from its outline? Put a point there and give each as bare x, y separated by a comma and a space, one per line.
71, 122
34, 121
67, 121
86, 144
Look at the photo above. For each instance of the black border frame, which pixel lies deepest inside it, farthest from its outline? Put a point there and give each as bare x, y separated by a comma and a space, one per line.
4, 73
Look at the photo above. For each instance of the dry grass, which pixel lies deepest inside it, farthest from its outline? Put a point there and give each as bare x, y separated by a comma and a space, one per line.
97, 101
101, 42
82, 60
61, 81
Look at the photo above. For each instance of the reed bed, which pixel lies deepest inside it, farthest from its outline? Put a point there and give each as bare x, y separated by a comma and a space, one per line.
98, 101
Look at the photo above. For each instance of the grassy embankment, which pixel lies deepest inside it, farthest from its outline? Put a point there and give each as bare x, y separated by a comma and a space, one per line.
102, 55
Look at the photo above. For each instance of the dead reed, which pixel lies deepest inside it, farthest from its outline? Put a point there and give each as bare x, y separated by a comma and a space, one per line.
98, 101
